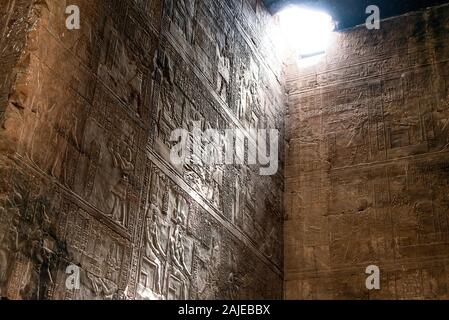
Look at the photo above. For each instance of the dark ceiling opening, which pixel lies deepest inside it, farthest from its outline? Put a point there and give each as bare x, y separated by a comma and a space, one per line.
349, 13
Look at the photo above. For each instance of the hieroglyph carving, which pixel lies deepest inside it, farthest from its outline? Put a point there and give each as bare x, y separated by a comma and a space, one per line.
224, 67
119, 212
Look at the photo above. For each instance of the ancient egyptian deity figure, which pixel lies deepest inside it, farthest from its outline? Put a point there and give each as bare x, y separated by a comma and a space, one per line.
153, 246
177, 249
119, 210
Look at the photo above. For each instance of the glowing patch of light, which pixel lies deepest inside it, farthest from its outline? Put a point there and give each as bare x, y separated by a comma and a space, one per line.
306, 32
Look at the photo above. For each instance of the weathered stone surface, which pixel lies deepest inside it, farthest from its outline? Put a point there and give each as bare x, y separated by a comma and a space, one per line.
85, 177
86, 180
367, 164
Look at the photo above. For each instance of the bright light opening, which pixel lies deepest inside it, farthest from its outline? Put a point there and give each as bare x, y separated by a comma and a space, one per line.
307, 32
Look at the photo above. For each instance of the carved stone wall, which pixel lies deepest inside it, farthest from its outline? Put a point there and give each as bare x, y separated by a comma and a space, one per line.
367, 164
85, 178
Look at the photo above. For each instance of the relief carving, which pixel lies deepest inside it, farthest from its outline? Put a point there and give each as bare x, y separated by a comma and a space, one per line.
94, 185
154, 251
223, 55
249, 105
119, 212
121, 70
208, 277
178, 250
165, 269
108, 170
93, 287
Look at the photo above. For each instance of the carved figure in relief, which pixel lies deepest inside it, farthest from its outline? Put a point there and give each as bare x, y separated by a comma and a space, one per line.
42, 257
195, 175
268, 246
233, 281
168, 108
182, 16
214, 185
211, 264
224, 65
168, 103
153, 246
194, 122
42, 111
102, 288
255, 95
194, 168
250, 102
3, 258
177, 249
114, 257
3, 267
135, 84
159, 194
179, 212
94, 151
119, 210
247, 201
122, 70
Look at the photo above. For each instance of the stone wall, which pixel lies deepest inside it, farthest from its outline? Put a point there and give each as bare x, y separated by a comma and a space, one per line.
85, 177
367, 164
